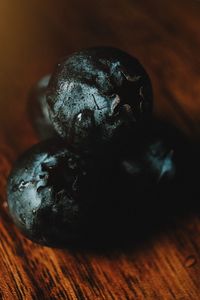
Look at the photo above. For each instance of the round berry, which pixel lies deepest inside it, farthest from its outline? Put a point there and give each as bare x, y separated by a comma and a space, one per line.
49, 193
38, 110
95, 92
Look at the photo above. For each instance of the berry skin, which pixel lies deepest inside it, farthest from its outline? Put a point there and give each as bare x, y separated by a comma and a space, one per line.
95, 92
48, 193
152, 165
38, 111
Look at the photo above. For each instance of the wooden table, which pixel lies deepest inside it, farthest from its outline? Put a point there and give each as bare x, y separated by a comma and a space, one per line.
165, 36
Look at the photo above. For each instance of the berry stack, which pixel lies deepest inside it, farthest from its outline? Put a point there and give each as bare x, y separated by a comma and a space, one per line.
98, 154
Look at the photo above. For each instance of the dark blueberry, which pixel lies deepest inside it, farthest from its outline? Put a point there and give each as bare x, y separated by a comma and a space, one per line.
152, 164
95, 92
38, 111
49, 192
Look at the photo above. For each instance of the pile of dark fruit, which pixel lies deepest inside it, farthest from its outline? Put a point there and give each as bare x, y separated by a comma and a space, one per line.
102, 151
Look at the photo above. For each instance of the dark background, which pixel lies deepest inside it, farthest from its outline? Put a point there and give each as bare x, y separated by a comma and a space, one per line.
164, 36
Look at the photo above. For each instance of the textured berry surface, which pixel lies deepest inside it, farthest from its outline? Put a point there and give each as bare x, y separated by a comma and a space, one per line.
48, 193
151, 156
94, 92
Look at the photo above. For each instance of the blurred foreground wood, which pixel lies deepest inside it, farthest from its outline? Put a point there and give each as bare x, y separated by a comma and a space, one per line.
164, 35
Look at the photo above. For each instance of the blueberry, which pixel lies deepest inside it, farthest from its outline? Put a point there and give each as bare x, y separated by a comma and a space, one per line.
38, 111
49, 192
150, 164
151, 156
95, 92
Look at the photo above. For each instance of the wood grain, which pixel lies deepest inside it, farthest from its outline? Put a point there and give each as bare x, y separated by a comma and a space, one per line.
164, 35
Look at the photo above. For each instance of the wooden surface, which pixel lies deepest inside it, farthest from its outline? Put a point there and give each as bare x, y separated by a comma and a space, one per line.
165, 36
